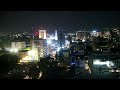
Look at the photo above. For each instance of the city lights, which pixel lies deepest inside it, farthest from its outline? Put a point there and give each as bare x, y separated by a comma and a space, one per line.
83, 40
97, 49
108, 63
58, 49
14, 50
49, 41
31, 52
11, 50
25, 59
97, 62
94, 31
40, 75
27, 77
73, 63
89, 47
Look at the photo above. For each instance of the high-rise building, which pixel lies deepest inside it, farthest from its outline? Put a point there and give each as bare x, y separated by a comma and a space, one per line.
41, 44
56, 36
42, 34
43, 48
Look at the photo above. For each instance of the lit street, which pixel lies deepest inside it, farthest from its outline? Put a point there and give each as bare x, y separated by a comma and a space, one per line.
59, 45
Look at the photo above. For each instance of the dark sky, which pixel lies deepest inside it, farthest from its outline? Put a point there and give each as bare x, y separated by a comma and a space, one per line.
24, 20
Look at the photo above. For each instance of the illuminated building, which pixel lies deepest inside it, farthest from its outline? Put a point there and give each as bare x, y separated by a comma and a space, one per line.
18, 45
53, 36
56, 36
106, 34
41, 46
72, 35
22, 56
100, 64
52, 47
33, 54
42, 34
82, 35
29, 56
95, 33
115, 36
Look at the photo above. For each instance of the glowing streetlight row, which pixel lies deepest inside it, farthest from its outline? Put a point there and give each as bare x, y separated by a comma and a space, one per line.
14, 50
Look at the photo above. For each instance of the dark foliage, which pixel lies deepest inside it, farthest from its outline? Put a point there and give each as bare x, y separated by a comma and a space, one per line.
7, 63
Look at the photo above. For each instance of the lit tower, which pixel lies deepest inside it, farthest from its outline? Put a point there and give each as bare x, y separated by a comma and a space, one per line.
56, 36
42, 34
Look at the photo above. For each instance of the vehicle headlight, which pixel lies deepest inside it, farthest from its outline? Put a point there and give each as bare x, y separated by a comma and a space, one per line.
117, 70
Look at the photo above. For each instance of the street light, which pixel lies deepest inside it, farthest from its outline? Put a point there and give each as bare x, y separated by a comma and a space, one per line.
49, 41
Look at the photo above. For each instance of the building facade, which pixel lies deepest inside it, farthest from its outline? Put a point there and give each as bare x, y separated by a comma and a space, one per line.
42, 34
18, 45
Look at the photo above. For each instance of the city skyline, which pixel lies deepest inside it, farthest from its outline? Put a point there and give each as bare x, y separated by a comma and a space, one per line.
25, 20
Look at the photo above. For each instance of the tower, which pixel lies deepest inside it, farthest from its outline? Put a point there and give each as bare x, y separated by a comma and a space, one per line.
43, 48
42, 34
56, 36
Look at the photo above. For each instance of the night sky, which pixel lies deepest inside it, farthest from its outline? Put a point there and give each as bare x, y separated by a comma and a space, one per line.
25, 20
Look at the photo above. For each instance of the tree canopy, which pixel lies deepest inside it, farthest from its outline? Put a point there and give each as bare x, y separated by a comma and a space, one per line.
7, 63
